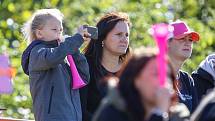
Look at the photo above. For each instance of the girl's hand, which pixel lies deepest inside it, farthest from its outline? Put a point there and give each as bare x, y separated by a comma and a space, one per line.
163, 99
83, 32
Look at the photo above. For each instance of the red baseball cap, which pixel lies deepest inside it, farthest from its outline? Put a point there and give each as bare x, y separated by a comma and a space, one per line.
181, 30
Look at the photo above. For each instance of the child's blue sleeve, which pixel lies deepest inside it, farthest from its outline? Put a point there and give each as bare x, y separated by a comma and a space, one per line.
43, 58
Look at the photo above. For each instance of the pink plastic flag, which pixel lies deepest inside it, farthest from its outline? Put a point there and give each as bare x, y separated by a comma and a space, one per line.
160, 33
77, 81
6, 74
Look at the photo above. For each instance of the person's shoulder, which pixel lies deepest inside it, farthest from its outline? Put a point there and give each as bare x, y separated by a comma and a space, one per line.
91, 63
201, 74
89, 59
36, 49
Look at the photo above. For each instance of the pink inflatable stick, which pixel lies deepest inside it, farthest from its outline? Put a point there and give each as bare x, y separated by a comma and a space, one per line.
160, 34
77, 82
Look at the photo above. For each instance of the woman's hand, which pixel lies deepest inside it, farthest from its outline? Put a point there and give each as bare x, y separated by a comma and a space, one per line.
163, 99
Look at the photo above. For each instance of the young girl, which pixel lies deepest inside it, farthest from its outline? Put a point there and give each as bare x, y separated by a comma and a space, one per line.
49, 73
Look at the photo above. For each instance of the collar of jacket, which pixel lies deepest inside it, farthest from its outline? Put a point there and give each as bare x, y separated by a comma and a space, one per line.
205, 75
52, 42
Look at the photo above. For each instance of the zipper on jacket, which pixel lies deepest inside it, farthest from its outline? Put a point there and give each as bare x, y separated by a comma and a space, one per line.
67, 70
75, 110
50, 99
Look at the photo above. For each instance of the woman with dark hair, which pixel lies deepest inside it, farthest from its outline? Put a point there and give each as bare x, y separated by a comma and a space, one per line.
138, 96
105, 56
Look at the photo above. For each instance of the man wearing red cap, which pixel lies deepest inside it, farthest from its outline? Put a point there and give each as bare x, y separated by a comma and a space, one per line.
180, 47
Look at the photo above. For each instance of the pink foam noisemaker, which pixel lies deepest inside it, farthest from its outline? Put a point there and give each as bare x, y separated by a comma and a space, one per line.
6, 74
160, 33
77, 81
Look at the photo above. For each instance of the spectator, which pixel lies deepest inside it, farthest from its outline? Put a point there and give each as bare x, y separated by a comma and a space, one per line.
105, 56
180, 47
204, 76
49, 75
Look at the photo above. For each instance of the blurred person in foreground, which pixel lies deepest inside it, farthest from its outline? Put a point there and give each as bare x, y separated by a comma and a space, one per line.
137, 96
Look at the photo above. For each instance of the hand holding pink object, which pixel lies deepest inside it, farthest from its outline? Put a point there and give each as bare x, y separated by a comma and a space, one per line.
160, 33
77, 82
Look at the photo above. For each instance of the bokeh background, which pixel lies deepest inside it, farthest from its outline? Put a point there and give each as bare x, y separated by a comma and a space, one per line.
199, 14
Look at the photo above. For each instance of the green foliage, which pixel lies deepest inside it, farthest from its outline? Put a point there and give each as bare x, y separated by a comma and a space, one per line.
200, 15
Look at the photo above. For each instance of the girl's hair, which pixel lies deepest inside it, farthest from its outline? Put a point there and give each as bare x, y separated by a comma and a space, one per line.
94, 49
126, 86
38, 20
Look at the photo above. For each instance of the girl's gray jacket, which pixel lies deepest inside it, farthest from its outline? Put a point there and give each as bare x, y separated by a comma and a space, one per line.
50, 78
